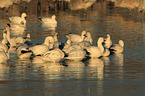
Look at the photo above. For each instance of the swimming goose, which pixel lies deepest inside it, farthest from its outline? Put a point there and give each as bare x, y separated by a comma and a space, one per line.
42, 48
96, 51
107, 41
75, 37
50, 22
117, 48
19, 20
4, 56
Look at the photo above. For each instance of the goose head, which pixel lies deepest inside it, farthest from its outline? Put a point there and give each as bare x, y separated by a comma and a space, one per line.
53, 17
49, 40
121, 43
24, 15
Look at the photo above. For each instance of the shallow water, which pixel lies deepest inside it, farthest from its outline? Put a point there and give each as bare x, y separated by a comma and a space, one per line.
119, 74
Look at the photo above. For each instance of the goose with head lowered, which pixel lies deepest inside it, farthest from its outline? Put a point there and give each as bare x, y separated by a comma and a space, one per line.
19, 20
42, 48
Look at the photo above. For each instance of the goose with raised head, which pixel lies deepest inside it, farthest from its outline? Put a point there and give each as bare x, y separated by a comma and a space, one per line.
75, 38
42, 48
19, 20
10, 40
96, 51
117, 48
107, 41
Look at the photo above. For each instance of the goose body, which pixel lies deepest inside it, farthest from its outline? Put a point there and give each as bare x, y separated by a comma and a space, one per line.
19, 20
75, 37
42, 48
54, 55
108, 41
49, 22
76, 54
117, 48
4, 56
96, 51
23, 52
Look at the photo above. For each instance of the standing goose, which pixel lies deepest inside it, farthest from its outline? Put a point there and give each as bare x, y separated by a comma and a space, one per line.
117, 48
19, 20
75, 38
42, 48
96, 51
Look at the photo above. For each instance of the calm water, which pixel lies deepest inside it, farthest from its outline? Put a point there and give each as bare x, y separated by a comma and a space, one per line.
119, 74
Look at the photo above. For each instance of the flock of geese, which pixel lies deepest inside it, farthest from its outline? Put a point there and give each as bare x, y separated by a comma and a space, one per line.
77, 47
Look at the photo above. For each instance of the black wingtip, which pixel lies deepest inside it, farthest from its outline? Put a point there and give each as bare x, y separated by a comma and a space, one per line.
9, 24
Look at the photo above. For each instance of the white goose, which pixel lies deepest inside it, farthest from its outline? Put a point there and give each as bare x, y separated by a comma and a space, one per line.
4, 42
117, 48
23, 52
95, 51
88, 37
4, 56
19, 20
10, 40
108, 41
76, 54
54, 55
49, 22
41, 49
75, 38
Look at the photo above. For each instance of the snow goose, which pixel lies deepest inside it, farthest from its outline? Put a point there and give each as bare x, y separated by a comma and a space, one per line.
107, 41
56, 43
4, 42
88, 37
76, 54
96, 51
23, 52
10, 40
4, 56
75, 37
54, 55
117, 48
49, 22
19, 20
42, 48
106, 52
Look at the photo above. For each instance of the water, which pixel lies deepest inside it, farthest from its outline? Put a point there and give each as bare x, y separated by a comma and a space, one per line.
119, 74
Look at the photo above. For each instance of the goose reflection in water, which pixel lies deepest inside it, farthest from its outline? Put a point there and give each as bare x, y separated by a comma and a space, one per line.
4, 68
50, 70
74, 68
118, 60
96, 67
